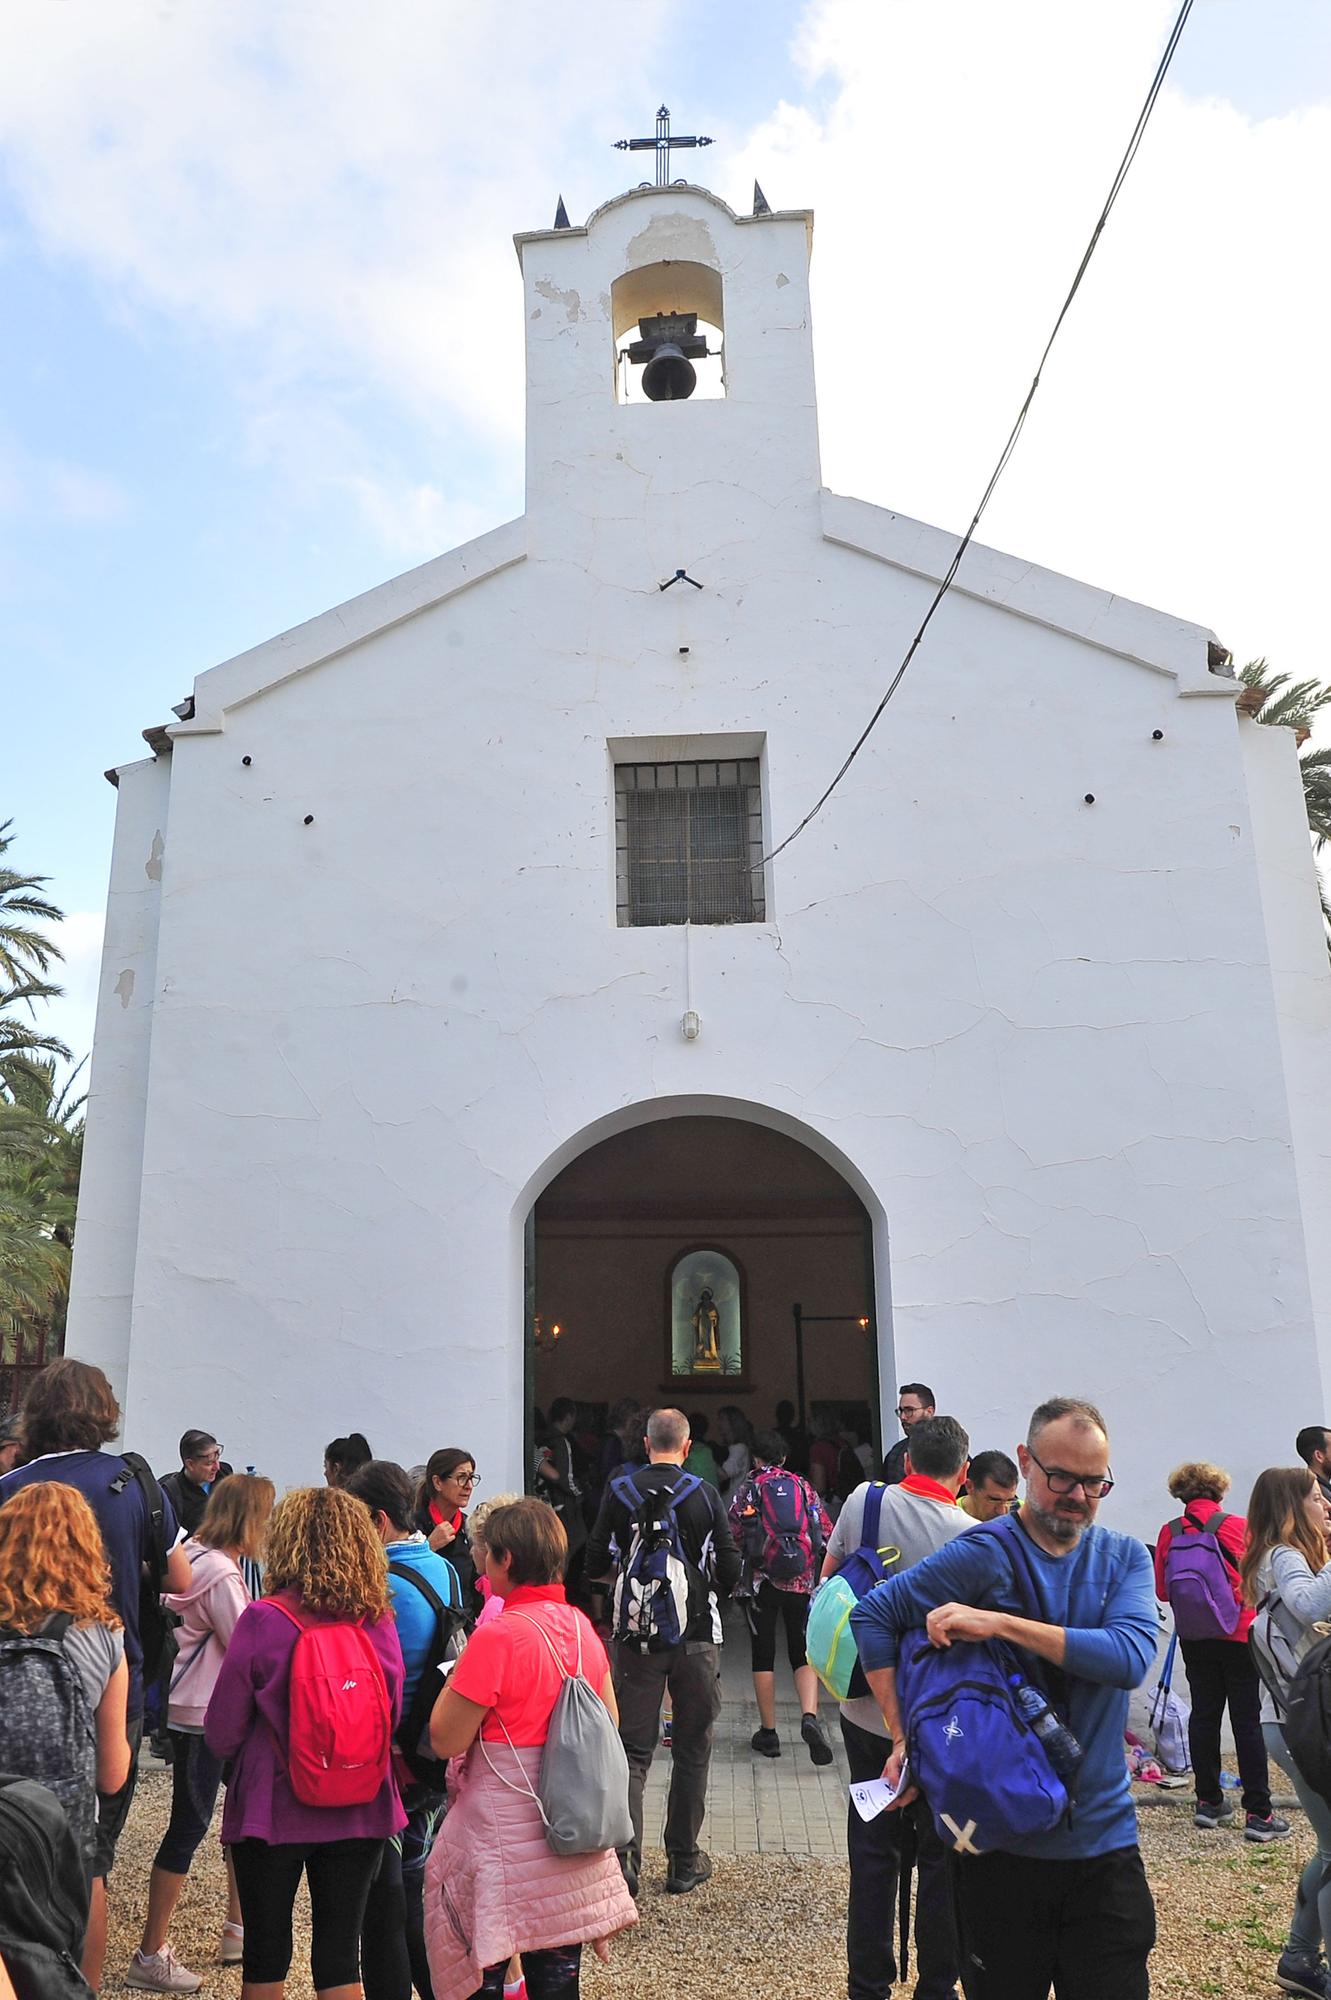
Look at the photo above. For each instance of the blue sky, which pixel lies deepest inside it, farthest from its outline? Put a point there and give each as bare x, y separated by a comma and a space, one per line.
261, 333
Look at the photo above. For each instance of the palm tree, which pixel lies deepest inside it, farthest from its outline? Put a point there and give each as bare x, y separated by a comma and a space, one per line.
1285, 703
23, 950
41, 1150
41, 1129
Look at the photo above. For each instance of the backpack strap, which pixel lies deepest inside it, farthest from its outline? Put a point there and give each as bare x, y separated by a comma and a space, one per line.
1211, 1527
136, 1471
1014, 1541
552, 1649
57, 1626
426, 1589
873, 1514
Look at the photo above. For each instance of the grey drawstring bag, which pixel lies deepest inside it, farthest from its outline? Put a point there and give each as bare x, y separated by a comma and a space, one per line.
582, 1791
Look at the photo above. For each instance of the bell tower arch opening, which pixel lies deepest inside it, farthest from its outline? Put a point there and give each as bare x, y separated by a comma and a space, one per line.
668, 321
704, 1260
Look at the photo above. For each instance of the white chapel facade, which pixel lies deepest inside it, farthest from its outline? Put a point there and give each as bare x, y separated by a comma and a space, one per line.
449, 992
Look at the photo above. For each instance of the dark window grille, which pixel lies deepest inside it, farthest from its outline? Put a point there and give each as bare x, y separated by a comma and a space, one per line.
689, 843
24, 1352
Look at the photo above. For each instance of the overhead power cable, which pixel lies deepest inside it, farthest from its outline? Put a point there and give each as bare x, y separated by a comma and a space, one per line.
1138, 133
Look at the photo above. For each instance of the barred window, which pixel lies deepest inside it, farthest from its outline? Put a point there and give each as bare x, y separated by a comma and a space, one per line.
689, 843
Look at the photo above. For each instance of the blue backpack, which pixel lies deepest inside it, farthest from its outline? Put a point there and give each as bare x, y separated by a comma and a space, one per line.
983, 1770
658, 1590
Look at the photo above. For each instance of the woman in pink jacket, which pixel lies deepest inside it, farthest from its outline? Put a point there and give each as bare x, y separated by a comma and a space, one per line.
492, 1885
233, 1526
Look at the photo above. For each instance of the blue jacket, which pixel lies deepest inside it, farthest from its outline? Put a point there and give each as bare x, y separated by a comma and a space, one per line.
415, 1618
1102, 1593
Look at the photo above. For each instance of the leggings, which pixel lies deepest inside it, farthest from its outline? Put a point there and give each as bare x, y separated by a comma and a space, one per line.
195, 1777
1310, 1925
384, 1960
762, 1610
339, 1872
550, 1975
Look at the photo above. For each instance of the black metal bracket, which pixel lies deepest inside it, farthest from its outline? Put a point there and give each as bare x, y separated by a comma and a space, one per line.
680, 576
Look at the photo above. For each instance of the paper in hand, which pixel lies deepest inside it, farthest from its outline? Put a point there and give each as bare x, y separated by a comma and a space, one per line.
875, 1795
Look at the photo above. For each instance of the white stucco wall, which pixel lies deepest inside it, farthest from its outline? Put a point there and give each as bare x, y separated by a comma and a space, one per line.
106, 1240
1040, 1037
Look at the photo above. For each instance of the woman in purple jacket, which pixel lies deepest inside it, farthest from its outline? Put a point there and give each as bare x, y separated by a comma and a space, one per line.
325, 1563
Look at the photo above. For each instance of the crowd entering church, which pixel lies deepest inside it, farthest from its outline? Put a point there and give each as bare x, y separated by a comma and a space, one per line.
440, 1709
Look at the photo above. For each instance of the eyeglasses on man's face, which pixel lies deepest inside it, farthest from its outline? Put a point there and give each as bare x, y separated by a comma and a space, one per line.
1061, 1483
910, 1409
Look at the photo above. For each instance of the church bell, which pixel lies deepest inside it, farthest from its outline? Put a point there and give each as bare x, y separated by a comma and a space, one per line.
669, 345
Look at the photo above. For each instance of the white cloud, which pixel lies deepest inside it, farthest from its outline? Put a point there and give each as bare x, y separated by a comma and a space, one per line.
1177, 447
330, 193
334, 186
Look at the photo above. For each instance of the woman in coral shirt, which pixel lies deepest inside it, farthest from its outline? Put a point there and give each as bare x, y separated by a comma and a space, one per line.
493, 1886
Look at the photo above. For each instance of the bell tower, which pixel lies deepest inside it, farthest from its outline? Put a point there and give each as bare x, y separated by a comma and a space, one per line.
669, 359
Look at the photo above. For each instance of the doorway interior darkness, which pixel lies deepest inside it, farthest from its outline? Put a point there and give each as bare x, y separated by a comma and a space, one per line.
622, 1243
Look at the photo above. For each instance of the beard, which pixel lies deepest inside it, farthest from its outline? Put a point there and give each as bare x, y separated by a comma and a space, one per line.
1066, 1521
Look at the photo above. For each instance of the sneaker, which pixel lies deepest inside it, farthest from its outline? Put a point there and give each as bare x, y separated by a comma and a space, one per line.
1213, 1815
811, 1729
1270, 1828
1303, 1972
687, 1871
668, 1733
161, 1972
231, 1946
766, 1742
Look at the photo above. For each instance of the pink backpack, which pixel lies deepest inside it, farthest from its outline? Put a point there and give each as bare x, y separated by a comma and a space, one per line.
338, 1728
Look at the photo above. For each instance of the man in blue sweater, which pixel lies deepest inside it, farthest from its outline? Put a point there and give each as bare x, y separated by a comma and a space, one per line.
1070, 1907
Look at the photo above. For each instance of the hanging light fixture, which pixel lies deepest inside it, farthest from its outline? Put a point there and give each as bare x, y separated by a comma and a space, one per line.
545, 1338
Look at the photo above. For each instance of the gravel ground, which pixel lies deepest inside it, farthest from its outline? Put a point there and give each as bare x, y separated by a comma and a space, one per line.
772, 1925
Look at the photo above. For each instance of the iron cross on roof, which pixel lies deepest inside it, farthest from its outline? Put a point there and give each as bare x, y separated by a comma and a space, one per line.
660, 145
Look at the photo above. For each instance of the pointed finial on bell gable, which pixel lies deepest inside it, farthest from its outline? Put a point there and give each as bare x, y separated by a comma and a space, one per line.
761, 205
561, 216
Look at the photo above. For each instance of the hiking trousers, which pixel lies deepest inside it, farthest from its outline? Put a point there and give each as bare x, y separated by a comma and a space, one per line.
691, 1673
1221, 1674
1086, 1927
878, 1849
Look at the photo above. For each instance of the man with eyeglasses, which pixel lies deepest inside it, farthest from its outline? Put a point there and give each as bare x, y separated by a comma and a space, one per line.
915, 1402
201, 1466
1070, 1907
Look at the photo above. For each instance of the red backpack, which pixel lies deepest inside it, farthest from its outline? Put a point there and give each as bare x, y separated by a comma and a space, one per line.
338, 1729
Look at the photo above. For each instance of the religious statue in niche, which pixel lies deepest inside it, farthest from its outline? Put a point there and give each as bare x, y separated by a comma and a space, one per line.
705, 1291
706, 1321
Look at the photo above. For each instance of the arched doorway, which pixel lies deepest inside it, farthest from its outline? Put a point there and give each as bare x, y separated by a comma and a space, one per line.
672, 1255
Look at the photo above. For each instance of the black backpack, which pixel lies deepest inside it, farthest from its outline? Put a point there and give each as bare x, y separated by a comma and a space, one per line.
413, 1732
1307, 1724
157, 1625
46, 1727
43, 1894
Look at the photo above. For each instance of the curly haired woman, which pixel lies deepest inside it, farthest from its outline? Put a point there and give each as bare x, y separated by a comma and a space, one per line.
54, 1585
1220, 1669
325, 1566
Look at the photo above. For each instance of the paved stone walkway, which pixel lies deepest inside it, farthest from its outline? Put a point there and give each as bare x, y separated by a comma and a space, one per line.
762, 1805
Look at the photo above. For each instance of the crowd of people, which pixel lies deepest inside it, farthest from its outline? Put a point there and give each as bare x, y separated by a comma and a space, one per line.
381, 1677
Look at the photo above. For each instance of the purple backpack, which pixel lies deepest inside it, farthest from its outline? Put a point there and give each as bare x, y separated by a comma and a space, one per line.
1199, 1579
